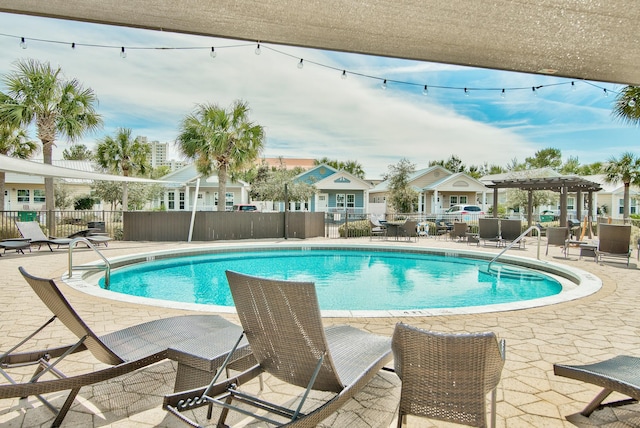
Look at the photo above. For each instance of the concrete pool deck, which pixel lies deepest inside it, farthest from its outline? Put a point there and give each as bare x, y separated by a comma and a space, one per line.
590, 329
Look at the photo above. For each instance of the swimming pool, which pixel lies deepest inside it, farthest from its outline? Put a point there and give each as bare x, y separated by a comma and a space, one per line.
406, 296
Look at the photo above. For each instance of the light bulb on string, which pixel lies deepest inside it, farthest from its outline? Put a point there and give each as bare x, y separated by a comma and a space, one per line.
213, 52
466, 92
344, 74
425, 90
384, 85
533, 89
23, 43
301, 63
632, 102
258, 51
73, 45
502, 94
573, 86
606, 94
123, 53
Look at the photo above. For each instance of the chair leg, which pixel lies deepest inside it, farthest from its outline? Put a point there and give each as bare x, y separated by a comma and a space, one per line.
596, 402
65, 407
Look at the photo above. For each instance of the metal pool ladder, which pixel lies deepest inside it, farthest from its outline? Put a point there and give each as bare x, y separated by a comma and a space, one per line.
106, 267
515, 241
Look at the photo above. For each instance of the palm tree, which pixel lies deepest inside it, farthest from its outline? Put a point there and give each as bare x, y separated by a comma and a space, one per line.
627, 170
222, 140
120, 154
14, 142
37, 93
627, 105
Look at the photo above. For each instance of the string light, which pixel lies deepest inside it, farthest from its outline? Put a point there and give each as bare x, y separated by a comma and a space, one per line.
258, 51
384, 85
632, 102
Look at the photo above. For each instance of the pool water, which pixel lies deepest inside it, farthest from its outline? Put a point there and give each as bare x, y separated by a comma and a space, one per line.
345, 279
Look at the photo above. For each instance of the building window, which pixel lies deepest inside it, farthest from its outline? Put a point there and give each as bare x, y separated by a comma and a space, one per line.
453, 200
463, 199
228, 206
632, 206
215, 199
571, 203
172, 200
181, 203
340, 198
23, 196
351, 201
39, 196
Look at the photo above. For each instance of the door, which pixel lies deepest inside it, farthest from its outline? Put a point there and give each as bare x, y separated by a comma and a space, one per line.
323, 202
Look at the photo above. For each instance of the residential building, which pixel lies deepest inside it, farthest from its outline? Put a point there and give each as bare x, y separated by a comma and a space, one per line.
437, 189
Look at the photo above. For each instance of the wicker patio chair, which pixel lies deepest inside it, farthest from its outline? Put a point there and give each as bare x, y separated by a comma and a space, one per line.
124, 350
282, 322
620, 374
558, 236
447, 376
409, 230
459, 231
614, 240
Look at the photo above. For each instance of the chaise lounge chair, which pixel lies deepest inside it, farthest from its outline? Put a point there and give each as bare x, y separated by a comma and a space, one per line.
282, 322
447, 376
614, 240
489, 230
510, 230
199, 343
31, 230
620, 374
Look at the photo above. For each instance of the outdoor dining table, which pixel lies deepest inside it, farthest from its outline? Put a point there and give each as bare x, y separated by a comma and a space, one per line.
394, 227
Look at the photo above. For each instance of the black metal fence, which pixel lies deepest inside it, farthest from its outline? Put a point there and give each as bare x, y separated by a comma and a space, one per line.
66, 222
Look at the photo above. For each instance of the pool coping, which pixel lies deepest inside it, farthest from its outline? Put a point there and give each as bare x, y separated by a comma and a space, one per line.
576, 283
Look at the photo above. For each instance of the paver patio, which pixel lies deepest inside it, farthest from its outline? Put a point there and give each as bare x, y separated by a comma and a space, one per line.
590, 329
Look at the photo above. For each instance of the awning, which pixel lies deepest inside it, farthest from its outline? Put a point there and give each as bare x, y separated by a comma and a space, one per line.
21, 166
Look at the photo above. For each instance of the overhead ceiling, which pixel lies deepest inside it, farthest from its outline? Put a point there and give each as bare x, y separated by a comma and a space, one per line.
582, 39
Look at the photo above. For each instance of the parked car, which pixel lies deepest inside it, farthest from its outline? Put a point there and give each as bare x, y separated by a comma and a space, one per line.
245, 208
464, 210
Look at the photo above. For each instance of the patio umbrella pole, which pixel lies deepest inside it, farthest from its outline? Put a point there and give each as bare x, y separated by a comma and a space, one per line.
193, 212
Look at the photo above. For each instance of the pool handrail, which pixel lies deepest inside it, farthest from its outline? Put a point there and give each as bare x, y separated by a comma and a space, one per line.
515, 241
106, 267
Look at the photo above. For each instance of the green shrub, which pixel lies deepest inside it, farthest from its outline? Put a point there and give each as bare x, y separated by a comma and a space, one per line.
356, 229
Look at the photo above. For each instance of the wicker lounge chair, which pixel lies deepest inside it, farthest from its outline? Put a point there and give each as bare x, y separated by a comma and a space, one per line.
91, 236
376, 228
31, 230
124, 351
283, 325
489, 230
614, 240
558, 236
459, 231
510, 230
447, 376
620, 374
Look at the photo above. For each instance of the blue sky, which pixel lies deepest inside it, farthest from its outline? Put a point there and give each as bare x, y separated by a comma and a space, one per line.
312, 112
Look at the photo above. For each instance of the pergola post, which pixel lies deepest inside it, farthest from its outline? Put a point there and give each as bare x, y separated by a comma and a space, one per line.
590, 214
495, 202
529, 208
579, 204
563, 206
